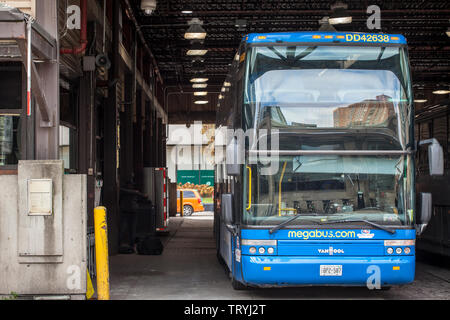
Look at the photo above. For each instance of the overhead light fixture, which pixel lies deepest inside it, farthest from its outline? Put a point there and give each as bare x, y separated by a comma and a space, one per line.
441, 89
227, 84
187, 10
199, 80
220, 97
197, 49
420, 98
240, 24
195, 31
200, 85
148, 6
201, 102
201, 93
339, 14
325, 25
198, 67
198, 59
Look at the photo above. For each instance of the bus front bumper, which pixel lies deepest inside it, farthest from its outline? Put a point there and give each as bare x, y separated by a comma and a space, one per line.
356, 271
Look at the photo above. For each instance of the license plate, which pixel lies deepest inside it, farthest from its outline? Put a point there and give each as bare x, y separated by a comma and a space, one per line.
331, 270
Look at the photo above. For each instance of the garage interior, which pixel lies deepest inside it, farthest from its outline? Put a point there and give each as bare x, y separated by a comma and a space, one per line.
191, 247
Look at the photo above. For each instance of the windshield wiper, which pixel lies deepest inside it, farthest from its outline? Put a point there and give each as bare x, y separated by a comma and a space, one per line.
284, 223
373, 224
281, 225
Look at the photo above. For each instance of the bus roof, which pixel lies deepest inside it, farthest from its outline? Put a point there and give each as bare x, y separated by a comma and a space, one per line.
325, 37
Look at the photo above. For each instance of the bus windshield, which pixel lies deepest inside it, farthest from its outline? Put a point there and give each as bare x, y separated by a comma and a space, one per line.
329, 98
323, 188
328, 87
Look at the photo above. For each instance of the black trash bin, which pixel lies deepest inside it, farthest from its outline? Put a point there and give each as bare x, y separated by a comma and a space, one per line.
151, 244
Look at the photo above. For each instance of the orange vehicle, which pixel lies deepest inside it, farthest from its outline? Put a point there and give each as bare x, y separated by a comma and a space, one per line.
192, 201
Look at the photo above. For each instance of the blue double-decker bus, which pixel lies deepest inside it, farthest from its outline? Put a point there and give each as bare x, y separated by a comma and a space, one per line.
329, 197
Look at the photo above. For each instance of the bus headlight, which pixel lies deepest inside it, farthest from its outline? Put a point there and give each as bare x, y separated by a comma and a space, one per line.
252, 250
399, 243
270, 250
398, 250
407, 250
390, 250
262, 250
247, 242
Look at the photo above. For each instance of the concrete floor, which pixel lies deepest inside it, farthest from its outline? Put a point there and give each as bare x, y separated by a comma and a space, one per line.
189, 270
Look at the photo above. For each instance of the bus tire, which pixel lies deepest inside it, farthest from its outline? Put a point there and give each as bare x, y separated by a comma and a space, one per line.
238, 286
187, 210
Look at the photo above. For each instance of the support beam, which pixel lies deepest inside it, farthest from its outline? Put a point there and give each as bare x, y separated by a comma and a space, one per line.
110, 168
182, 118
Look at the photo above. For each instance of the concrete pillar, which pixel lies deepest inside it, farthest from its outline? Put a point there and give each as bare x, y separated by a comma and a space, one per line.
47, 134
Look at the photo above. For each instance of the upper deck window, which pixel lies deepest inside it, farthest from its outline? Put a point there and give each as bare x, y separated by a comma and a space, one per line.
329, 87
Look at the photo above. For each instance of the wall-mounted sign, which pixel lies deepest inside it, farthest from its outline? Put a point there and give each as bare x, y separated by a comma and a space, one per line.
40, 197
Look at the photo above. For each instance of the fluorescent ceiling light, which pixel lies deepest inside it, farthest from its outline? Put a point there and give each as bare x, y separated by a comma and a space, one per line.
199, 80
197, 50
227, 84
441, 91
200, 85
201, 102
200, 93
420, 98
187, 9
340, 20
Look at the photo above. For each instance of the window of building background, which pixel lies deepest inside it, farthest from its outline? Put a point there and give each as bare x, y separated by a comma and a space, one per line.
11, 114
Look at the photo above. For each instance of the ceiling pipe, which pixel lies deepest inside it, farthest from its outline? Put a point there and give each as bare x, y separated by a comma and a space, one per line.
83, 33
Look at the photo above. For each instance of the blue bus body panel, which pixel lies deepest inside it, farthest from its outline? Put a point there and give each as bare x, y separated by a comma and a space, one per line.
328, 234
299, 254
326, 37
288, 271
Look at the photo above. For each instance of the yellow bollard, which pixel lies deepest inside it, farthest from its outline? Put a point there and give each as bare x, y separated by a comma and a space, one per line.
89, 287
101, 253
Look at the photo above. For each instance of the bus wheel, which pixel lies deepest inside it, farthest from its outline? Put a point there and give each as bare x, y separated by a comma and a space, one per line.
239, 286
187, 210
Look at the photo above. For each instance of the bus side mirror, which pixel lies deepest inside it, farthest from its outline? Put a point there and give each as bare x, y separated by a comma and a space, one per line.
424, 211
435, 156
234, 158
227, 209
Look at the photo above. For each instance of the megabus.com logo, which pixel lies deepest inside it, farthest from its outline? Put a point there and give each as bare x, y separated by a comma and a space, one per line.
321, 234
